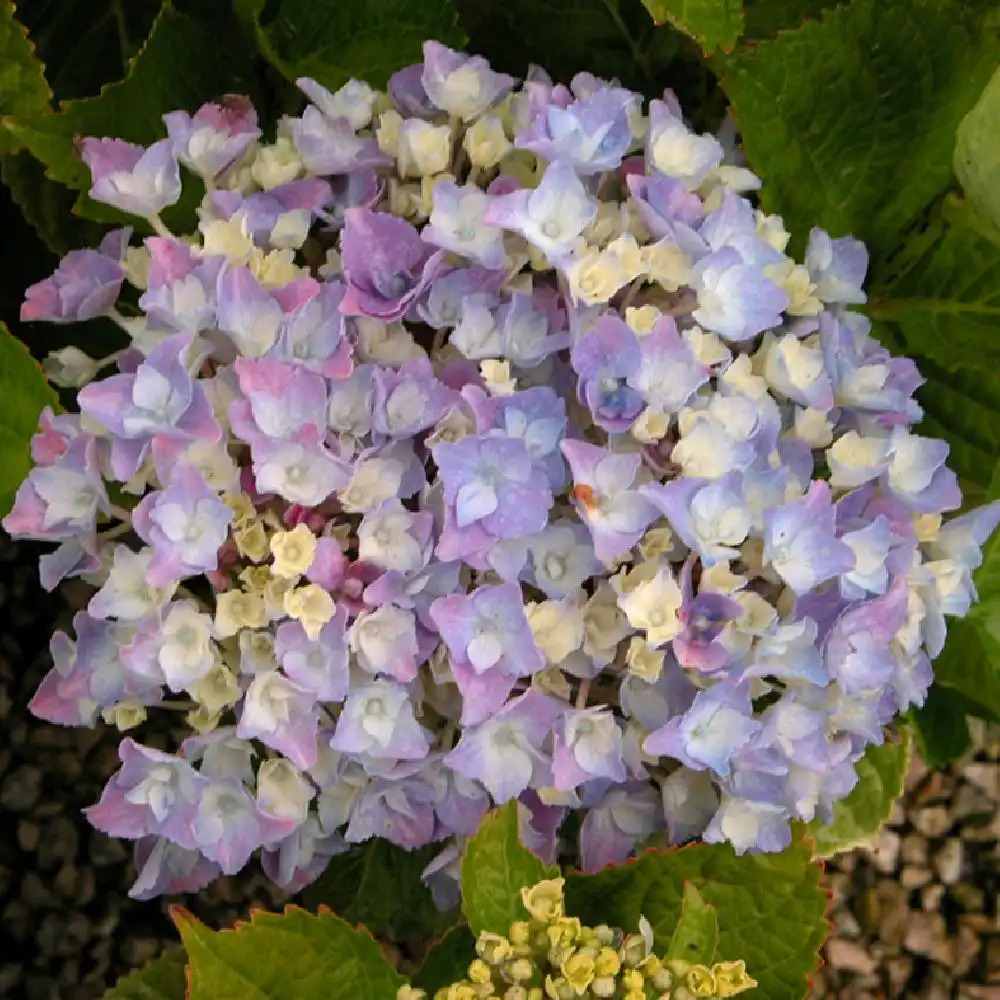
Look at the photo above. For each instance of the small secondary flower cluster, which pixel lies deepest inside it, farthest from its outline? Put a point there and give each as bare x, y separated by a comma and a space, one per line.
553, 957
482, 443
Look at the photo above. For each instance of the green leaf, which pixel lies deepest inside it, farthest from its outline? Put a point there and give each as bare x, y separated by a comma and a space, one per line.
946, 305
46, 205
977, 152
970, 664
446, 960
859, 816
378, 884
604, 37
495, 867
941, 728
696, 937
293, 955
161, 979
23, 90
851, 120
765, 18
85, 46
23, 394
987, 577
712, 24
179, 67
334, 40
771, 907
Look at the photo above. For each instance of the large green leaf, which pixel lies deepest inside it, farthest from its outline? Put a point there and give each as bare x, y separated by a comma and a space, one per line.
446, 960
495, 868
161, 979
970, 662
23, 89
378, 884
86, 45
293, 955
696, 936
859, 816
47, 205
977, 152
179, 67
334, 40
765, 18
941, 727
946, 304
771, 907
713, 24
850, 120
23, 394
611, 38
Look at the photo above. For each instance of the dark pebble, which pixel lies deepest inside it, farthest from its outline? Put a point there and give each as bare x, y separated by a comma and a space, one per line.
21, 788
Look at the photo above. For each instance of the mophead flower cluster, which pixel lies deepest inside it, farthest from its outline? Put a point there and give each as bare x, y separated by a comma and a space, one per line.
482, 443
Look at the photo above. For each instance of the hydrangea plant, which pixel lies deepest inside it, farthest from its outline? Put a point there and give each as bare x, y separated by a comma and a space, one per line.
483, 443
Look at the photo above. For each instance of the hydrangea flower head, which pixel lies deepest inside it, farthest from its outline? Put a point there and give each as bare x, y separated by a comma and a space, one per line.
482, 443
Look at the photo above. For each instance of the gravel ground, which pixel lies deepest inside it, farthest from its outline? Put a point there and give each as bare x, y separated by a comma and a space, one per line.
914, 916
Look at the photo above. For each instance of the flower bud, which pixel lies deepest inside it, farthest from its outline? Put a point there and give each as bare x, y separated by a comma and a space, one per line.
70, 368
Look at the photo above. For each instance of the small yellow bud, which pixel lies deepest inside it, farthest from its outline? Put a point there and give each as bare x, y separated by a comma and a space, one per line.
578, 971
667, 265
136, 264
650, 426
311, 605
520, 932
516, 992
202, 720
656, 542
480, 972
607, 962
563, 933
603, 986
633, 980
643, 661
228, 238
255, 578
293, 551
520, 969
276, 269
125, 715
494, 948
652, 965
642, 319
235, 610
387, 131
276, 164
663, 978
700, 980
927, 527
408, 992
217, 689
732, 978
544, 901
241, 505
497, 376
558, 989
251, 540
486, 142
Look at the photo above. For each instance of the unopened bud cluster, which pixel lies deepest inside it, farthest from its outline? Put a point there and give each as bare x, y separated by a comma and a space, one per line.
554, 957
